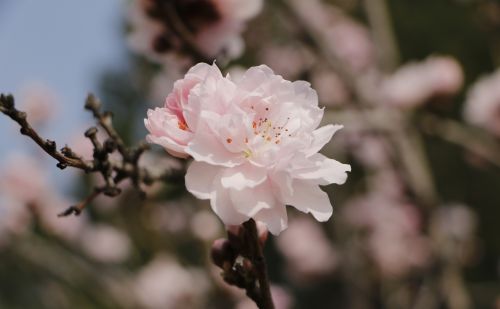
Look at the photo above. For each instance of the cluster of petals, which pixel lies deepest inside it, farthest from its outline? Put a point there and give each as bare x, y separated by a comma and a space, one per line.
254, 141
415, 83
482, 107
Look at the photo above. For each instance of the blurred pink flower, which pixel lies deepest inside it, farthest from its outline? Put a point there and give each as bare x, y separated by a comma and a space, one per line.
215, 26
453, 230
482, 107
26, 190
165, 284
331, 89
394, 232
23, 179
39, 102
415, 83
287, 60
205, 226
347, 38
145, 31
105, 243
281, 298
308, 252
255, 145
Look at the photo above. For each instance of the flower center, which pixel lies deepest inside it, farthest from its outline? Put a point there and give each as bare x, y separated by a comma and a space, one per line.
182, 125
268, 131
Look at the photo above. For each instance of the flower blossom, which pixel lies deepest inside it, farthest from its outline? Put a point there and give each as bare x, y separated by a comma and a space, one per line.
415, 83
482, 107
215, 26
254, 142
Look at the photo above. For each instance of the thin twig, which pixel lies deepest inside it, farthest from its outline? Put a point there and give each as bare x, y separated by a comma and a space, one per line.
470, 139
256, 256
77, 210
380, 20
112, 172
7, 107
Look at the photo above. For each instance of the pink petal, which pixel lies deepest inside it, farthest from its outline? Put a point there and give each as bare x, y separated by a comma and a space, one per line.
275, 219
207, 148
200, 179
321, 137
249, 201
243, 176
324, 171
223, 206
309, 198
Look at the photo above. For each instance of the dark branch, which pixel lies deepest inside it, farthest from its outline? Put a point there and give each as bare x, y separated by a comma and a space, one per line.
65, 158
112, 172
250, 271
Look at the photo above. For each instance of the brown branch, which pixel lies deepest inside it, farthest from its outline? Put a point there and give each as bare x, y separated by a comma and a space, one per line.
256, 256
241, 258
112, 172
65, 158
77, 210
105, 121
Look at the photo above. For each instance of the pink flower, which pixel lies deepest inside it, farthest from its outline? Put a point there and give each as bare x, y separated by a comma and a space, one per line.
482, 107
255, 144
172, 126
393, 228
215, 27
308, 252
415, 83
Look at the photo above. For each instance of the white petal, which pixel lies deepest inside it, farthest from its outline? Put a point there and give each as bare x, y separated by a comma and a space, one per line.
223, 206
207, 148
325, 171
275, 219
169, 145
243, 176
321, 137
309, 198
283, 182
200, 179
249, 201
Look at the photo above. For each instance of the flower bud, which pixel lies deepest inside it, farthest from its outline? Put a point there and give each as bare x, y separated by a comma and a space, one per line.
222, 252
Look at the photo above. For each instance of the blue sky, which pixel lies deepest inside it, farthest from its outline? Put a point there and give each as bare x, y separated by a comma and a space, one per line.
63, 44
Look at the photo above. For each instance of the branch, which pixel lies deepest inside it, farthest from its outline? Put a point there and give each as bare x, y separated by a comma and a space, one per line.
454, 132
66, 157
112, 172
241, 258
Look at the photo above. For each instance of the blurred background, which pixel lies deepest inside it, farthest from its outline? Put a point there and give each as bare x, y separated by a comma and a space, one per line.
415, 83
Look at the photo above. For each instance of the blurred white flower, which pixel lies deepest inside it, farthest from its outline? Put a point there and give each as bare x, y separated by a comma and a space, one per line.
145, 31
164, 284
24, 179
308, 252
105, 243
453, 229
287, 60
205, 225
393, 231
482, 106
281, 299
331, 89
347, 38
215, 25
415, 83
39, 102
